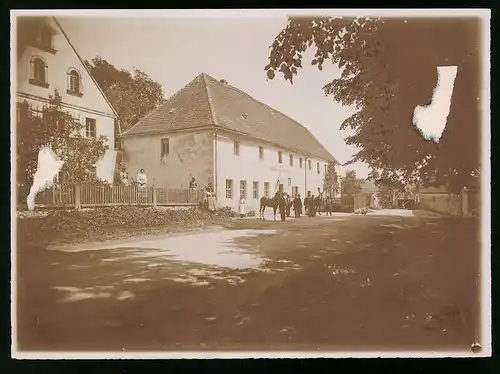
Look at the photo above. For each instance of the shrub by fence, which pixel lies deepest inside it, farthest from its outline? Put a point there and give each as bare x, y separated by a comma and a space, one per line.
92, 195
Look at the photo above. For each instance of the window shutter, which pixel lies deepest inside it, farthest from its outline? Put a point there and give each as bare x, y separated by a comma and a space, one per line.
32, 68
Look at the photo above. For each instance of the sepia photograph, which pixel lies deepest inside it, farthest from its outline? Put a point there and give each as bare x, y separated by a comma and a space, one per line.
250, 183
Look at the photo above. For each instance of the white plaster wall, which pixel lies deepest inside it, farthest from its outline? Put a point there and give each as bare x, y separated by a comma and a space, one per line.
58, 65
247, 166
91, 104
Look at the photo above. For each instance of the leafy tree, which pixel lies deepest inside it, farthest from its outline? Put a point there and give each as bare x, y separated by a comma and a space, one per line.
64, 134
389, 67
351, 184
133, 95
331, 180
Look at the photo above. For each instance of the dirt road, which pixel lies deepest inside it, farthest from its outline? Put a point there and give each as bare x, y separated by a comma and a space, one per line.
343, 283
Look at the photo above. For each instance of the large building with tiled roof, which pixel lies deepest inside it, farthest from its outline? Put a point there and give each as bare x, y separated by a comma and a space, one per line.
220, 135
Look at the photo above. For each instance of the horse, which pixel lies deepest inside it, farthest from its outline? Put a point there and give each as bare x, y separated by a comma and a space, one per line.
269, 202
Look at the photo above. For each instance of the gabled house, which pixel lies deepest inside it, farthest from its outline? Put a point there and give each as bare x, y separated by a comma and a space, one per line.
48, 61
222, 136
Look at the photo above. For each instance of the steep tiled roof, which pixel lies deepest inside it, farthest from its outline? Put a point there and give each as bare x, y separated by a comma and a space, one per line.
207, 102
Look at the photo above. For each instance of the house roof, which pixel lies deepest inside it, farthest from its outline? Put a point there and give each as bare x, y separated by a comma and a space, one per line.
207, 102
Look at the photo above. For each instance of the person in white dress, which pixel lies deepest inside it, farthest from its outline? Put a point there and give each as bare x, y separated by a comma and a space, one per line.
124, 176
241, 207
142, 179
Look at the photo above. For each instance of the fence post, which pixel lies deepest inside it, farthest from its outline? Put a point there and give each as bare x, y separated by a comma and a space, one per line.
155, 199
465, 203
78, 196
54, 202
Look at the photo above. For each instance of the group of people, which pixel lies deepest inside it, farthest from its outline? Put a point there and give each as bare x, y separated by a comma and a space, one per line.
312, 205
141, 178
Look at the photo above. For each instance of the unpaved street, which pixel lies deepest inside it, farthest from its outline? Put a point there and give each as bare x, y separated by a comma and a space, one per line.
342, 282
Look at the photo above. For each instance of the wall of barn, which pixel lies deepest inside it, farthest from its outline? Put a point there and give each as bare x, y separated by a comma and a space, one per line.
189, 155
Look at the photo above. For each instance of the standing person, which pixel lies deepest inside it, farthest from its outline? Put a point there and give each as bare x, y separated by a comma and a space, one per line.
141, 182
312, 206
282, 206
329, 206
297, 206
142, 179
306, 204
319, 202
211, 199
192, 186
124, 176
288, 205
241, 207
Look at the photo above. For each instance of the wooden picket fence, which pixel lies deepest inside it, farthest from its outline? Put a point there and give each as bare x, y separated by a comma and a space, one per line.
91, 195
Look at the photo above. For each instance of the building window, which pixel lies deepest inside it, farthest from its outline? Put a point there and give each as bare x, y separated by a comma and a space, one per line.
44, 38
261, 153
280, 187
255, 192
309, 164
266, 189
229, 188
236, 147
38, 72
243, 189
326, 168
73, 82
289, 182
317, 167
291, 160
280, 157
301, 161
165, 147
61, 124
90, 127
295, 191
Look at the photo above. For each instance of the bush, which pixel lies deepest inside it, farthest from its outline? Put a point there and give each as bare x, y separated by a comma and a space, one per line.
104, 222
251, 213
226, 211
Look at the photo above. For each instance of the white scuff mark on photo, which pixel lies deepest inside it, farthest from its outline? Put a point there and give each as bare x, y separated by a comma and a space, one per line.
49, 166
105, 167
431, 119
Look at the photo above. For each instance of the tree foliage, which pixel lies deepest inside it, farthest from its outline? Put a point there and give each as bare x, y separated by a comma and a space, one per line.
331, 179
389, 67
133, 95
64, 134
351, 184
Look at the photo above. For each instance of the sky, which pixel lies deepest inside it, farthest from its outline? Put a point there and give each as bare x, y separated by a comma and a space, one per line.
173, 51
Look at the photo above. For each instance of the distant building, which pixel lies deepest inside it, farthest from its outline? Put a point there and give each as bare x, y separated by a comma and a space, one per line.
222, 136
367, 197
47, 61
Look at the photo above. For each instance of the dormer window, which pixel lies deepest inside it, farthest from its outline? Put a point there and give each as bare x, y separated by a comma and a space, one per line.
44, 39
74, 80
